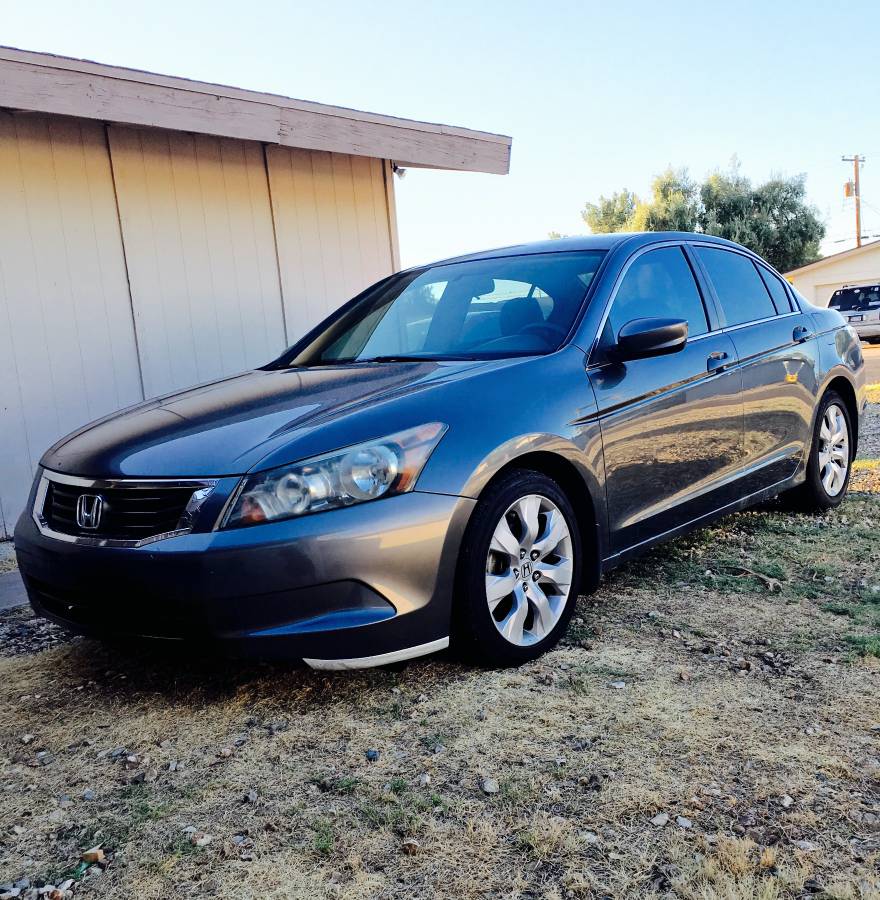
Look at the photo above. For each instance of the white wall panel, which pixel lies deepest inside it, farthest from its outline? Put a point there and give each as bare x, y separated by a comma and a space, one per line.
332, 230
197, 226
67, 346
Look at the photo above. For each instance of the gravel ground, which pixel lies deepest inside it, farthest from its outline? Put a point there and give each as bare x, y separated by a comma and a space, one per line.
7, 557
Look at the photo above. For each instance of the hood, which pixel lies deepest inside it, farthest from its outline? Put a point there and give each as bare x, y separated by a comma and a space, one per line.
226, 427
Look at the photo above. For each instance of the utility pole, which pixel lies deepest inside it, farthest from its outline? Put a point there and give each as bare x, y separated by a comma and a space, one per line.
857, 164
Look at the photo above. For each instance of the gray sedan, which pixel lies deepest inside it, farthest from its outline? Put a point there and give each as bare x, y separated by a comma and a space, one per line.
452, 457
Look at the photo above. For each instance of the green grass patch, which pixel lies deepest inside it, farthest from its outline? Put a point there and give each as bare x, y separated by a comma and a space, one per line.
324, 840
865, 645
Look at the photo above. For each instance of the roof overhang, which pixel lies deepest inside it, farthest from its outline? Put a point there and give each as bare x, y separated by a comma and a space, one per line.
834, 257
45, 83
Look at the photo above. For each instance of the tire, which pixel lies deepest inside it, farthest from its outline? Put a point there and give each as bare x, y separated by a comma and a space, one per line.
820, 492
519, 624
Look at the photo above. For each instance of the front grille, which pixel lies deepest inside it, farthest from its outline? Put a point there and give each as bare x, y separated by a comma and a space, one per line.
127, 513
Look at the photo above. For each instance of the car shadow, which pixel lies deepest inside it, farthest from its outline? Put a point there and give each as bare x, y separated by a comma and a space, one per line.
135, 671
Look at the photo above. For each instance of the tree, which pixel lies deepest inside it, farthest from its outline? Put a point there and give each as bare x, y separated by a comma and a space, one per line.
773, 218
610, 213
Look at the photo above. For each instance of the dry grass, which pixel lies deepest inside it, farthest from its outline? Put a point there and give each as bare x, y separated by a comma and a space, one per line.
774, 761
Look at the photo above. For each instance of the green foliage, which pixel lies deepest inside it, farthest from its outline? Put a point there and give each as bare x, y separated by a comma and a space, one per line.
773, 218
610, 213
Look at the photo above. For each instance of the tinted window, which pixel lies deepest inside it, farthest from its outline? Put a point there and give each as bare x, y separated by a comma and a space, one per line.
858, 299
479, 309
777, 290
740, 290
659, 283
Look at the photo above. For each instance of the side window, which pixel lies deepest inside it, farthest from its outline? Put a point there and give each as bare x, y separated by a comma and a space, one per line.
740, 290
777, 290
659, 283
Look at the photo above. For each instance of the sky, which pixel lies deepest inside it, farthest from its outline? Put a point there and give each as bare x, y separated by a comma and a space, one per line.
597, 96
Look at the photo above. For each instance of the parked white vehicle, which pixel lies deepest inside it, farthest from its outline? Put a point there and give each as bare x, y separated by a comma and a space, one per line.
860, 306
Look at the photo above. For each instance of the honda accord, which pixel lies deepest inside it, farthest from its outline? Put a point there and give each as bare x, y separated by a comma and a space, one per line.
452, 456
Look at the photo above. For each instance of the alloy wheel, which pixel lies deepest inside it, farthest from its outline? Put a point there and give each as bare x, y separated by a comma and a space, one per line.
833, 450
529, 570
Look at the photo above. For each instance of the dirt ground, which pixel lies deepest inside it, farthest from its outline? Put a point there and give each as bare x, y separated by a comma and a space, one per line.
709, 729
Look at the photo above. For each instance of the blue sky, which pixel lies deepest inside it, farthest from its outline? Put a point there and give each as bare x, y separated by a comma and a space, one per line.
597, 96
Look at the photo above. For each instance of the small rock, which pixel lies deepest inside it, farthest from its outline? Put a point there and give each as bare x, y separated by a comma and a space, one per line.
27, 738
660, 820
251, 796
589, 837
45, 758
617, 685
683, 822
200, 839
489, 786
93, 856
424, 779
593, 783
372, 755
786, 801
806, 846
411, 846
88, 794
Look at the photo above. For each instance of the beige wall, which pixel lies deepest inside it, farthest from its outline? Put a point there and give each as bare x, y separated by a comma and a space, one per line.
819, 283
198, 234
134, 262
332, 227
67, 344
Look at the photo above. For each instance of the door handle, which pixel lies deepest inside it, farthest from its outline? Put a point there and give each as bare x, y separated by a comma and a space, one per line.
717, 361
801, 333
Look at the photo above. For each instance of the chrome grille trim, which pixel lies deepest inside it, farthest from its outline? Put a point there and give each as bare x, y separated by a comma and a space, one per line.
201, 490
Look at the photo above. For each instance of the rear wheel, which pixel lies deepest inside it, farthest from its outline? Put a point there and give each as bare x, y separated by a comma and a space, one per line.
519, 571
830, 462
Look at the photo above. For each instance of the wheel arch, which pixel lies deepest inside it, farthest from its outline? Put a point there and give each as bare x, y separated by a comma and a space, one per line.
573, 482
844, 387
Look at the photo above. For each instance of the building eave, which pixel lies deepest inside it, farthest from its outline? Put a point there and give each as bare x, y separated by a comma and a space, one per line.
46, 83
834, 257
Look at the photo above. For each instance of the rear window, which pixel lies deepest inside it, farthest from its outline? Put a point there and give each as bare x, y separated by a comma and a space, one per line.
740, 289
777, 290
856, 299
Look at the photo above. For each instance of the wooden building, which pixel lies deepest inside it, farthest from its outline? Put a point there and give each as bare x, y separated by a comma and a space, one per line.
157, 232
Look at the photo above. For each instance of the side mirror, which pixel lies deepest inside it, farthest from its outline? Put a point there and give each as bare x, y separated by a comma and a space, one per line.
641, 338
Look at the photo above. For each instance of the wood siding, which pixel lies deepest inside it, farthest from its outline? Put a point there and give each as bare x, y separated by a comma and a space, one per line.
332, 228
198, 235
135, 262
67, 344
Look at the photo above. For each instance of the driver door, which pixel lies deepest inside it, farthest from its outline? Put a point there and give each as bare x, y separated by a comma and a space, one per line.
672, 425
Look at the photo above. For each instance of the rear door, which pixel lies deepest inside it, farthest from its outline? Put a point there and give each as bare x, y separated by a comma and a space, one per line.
778, 378
671, 425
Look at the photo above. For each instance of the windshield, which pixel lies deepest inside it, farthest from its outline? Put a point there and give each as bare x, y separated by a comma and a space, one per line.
861, 299
483, 309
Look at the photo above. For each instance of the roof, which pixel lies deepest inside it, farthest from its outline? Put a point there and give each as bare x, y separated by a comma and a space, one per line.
46, 83
592, 242
835, 257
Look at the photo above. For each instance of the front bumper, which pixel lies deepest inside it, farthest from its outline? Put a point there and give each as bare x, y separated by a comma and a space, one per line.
363, 585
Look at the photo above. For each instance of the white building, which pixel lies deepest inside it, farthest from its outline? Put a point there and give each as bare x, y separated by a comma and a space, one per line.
157, 232
819, 280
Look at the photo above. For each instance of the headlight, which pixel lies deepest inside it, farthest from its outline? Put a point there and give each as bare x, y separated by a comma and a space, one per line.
363, 472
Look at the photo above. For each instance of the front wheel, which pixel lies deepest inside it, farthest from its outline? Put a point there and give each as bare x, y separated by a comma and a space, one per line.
519, 571
829, 465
